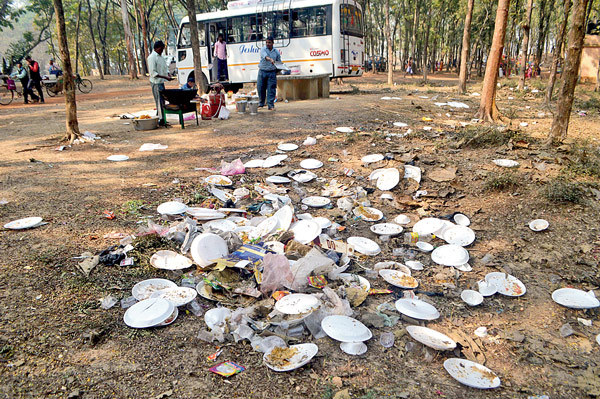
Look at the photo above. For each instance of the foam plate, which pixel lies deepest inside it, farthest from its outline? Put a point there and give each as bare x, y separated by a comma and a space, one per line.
316, 202
364, 246
399, 279
305, 231
297, 304
574, 298
450, 255
207, 247
118, 158
345, 329
171, 208
218, 180
25, 223
367, 213
459, 235
278, 179
387, 229
287, 147
170, 260
302, 356
372, 158
148, 313
144, 289
431, 338
471, 374
417, 309
311, 164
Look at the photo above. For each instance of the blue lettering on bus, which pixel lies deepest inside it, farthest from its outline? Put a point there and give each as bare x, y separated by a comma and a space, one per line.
248, 49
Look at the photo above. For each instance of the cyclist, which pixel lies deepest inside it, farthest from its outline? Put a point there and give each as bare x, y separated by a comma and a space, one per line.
53, 69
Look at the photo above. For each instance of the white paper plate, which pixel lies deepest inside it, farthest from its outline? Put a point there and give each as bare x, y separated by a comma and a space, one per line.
390, 265
376, 173
264, 228
345, 329
274, 160
355, 280
424, 246
388, 179
144, 289
204, 213
461, 220
506, 163
170, 320
287, 147
221, 224
450, 255
471, 374
297, 304
171, 208
117, 158
486, 288
402, 219
304, 354
302, 175
316, 202
364, 246
284, 217
386, 229
431, 338
353, 348
414, 264
428, 226
367, 213
311, 164
207, 247
506, 284
305, 231
539, 225
254, 163
217, 317
278, 179
472, 298
417, 309
459, 235
372, 158
344, 129
178, 296
25, 223
323, 222
399, 279
218, 180
148, 313
574, 298
400, 124
170, 260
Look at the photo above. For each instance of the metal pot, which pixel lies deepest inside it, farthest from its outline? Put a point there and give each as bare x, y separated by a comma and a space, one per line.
253, 107
241, 106
146, 124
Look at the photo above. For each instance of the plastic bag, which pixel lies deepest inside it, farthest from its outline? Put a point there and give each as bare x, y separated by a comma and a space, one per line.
223, 113
234, 168
276, 273
314, 262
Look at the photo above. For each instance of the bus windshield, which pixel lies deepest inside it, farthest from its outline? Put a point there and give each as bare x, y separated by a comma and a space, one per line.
185, 39
351, 20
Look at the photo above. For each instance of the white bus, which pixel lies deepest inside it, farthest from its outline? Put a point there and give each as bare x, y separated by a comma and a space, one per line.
313, 37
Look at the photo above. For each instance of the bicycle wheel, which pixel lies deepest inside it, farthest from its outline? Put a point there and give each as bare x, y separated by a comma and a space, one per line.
6, 96
85, 86
50, 92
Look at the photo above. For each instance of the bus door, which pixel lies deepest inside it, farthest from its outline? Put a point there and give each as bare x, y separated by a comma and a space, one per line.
214, 29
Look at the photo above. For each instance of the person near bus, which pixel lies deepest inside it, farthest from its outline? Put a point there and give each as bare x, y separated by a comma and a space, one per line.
53, 69
220, 53
159, 74
21, 74
189, 85
266, 83
35, 79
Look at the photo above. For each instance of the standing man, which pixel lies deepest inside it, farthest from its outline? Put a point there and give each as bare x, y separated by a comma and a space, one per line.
159, 74
220, 53
35, 78
266, 83
21, 74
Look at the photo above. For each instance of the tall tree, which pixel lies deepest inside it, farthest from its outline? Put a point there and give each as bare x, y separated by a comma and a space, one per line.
77, 37
93, 37
133, 71
199, 76
466, 45
72, 125
560, 124
560, 38
487, 108
525, 45
426, 45
390, 50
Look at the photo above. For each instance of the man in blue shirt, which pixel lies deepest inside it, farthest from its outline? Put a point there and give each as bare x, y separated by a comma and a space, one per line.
266, 83
190, 85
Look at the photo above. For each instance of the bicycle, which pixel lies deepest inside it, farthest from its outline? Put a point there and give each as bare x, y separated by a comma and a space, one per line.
55, 87
8, 90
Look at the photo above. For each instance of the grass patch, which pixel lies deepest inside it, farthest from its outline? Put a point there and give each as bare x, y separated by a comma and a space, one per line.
560, 190
350, 137
585, 160
501, 182
536, 84
591, 103
133, 207
510, 83
481, 136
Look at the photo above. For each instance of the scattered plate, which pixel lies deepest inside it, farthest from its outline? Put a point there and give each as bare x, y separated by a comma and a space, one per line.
388, 179
207, 247
148, 313
506, 163
287, 147
450, 255
399, 279
254, 163
431, 338
461, 220
464, 268
459, 235
302, 355
386, 229
427, 226
221, 224
574, 298
471, 374
284, 217
278, 179
264, 228
171, 208
471, 297
364, 246
117, 158
274, 160
353, 348
170, 320
218, 180
144, 289
344, 129
355, 279
414, 264
345, 329
204, 213
170, 260
22, 224
417, 309
400, 124
302, 175
538, 225
487, 288
402, 219
506, 284
367, 213
316, 202
305, 231
178, 296
424, 246
390, 265
323, 222
297, 304
311, 164
372, 158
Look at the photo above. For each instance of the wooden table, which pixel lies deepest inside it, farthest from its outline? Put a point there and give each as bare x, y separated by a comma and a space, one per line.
303, 87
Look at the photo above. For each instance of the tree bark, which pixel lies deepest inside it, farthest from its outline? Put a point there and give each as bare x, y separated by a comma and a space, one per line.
425, 63
413, 42
96, 56
198, 75
560, 124
133, 71
390, 50
561, 29
77, 38
466, 45
487, 108
72, 125
542, 31
525, 46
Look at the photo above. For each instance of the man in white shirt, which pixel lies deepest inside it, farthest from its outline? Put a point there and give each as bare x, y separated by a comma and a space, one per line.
159, 73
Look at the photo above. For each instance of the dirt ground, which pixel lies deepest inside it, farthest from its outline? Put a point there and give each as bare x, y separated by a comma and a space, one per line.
55, 340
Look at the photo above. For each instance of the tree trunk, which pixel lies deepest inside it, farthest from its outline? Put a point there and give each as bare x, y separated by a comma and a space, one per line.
466, 44
425, 63
77, 38
413, 42
72, 125
560, 124
133, 72
597, 88
388, 39
542, 31
561, 29
525, 46
198, 75
96, 56
487, 108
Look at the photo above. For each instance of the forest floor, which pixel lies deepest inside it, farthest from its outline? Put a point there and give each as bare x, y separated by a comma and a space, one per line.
56, 341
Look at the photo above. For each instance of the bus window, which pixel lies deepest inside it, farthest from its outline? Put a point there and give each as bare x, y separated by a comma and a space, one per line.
313, 21
185, 39
351, 20
237, 29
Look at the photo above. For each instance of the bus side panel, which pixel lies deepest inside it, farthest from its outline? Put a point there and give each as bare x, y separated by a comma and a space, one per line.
355, 46
185, 64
